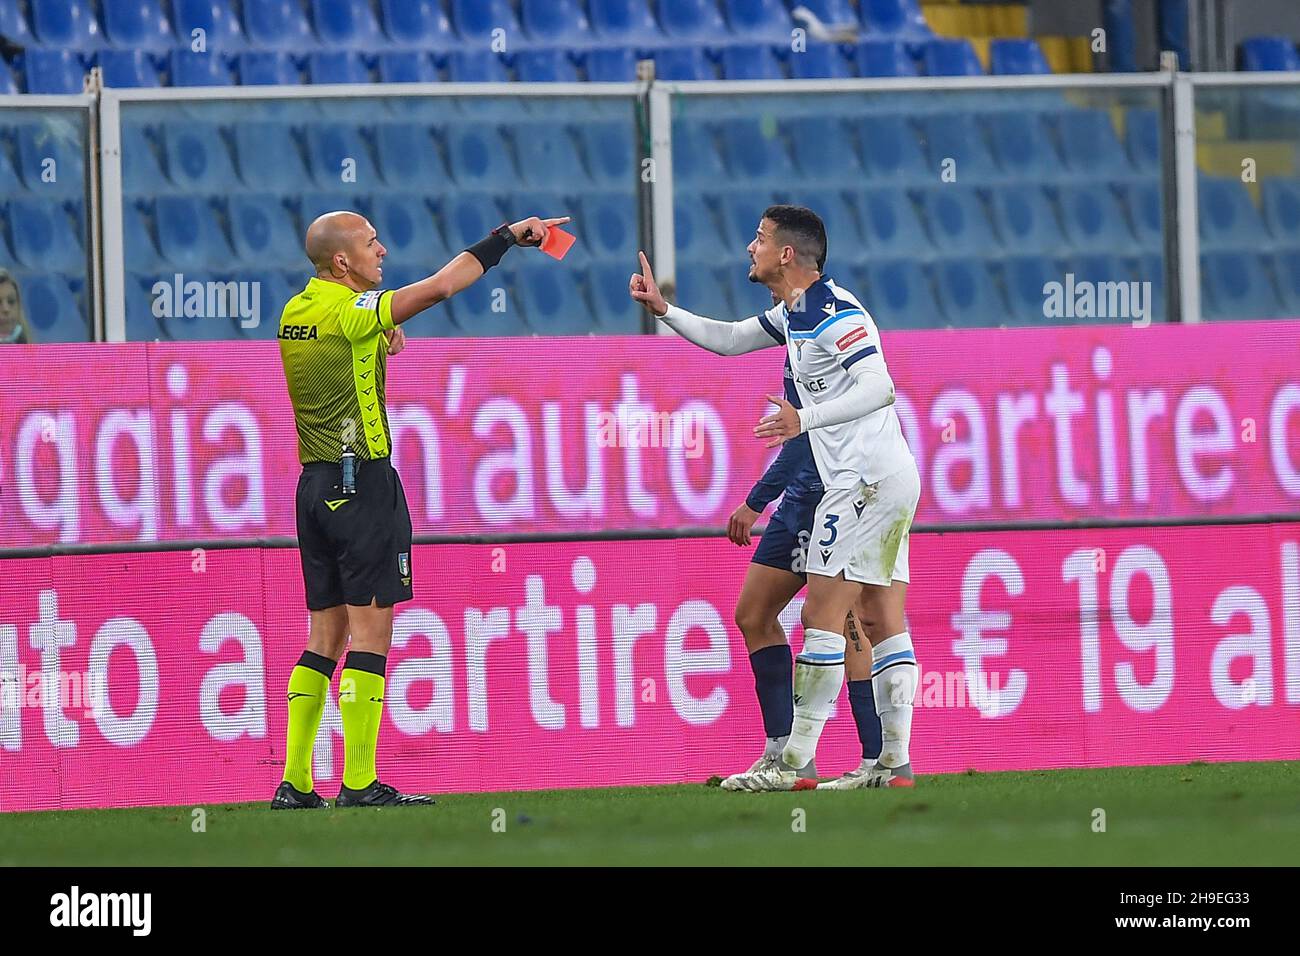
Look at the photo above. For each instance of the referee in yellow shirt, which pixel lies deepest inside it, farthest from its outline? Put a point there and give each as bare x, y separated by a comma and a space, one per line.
354, 530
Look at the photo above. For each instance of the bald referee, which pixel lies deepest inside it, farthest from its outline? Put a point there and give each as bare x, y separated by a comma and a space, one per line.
354, 530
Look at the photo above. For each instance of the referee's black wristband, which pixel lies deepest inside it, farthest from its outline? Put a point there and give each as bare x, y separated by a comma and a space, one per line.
489, 250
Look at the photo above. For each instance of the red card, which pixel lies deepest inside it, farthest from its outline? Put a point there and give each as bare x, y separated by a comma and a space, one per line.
557, 242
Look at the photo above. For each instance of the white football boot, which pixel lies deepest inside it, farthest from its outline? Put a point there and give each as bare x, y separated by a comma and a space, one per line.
871, 775
771, 774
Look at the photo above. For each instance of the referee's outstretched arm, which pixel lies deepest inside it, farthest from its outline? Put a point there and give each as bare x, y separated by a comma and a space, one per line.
466, 268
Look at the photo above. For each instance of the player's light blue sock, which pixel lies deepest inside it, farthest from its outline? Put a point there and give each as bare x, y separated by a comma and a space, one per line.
863, 703
774, 683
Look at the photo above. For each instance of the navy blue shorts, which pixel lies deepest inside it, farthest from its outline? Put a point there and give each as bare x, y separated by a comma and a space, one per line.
784, 543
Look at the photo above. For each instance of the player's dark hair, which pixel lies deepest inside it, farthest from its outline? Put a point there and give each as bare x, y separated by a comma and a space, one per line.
800, 227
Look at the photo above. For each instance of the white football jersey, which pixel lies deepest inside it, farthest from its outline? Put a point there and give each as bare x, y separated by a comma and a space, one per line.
830, 335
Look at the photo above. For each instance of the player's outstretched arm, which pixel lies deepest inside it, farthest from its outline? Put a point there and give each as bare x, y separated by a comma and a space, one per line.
722, 338
466, 269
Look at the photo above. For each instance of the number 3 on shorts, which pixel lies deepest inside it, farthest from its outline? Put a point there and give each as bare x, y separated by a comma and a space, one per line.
830, 526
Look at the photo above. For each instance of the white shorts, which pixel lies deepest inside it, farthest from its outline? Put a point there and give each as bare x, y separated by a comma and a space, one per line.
863, 531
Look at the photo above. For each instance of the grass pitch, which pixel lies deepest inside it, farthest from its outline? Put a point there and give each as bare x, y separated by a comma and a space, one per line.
1198, 814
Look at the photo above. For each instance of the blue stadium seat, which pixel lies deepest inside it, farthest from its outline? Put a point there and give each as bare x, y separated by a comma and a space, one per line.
821, 61
891, 151
750, 62
142, 173
968, 295
696, 160
268, 68
13, 25
200, 328
901, 17
890, 223
747, 298
810, 137
1145, 211
313, 205
8, 84
267, 157
472, 309
346, 23
141, 325
831, 12
611, 65
138, 25
701, 289
682, 63
844, 243
951, 57
469, 217
1269, 53
417, 24
476, 19
556, 22
263, 231
336, 66
1017, 56
408, 158
198, 160
330, 146
37, 143
128, 68
695, 232
740, 210
1025, 278
1022, 146
66, 23
1282, 210
545, 203
759, 19
616, 312
1151, 268
217, 20
627, 22
407, 66
697, 20
53, 71
900, 295
406, 228
610, 222
611, 156
199, 69
1026, 221
281, 24
1142, 136
476, 66
479, 157
52, 309
1236, 285
11, 184
273, 292
1098, 270
141, 251
752, 154
189, 236
1090, 146
884, 58
960, 137
552, 298
44, 237
1094, 220
1228, 218
1287, 267
545, 66
958, 223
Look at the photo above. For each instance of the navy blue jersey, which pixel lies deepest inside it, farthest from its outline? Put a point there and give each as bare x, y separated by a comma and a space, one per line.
793, 471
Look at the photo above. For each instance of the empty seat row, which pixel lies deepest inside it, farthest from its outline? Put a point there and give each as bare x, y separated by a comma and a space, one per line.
53, 303
204, 157
303, 24
42, 159
948, 147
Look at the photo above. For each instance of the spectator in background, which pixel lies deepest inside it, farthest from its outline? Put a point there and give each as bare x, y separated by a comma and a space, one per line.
13, 324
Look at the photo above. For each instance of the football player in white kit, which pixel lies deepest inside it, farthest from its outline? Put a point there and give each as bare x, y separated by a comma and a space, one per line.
858, 554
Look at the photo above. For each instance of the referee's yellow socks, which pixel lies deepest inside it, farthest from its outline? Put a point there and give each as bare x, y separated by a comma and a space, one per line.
361, 704
308, 685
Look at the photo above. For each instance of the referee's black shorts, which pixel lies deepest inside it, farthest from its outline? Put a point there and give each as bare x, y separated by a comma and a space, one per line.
354, 549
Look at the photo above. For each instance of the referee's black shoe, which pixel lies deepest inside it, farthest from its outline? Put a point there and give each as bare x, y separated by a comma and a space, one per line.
287, 797
381, 795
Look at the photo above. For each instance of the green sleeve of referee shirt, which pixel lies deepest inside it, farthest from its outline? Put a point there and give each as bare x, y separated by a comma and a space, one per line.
367, 314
